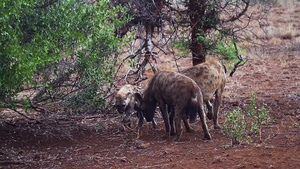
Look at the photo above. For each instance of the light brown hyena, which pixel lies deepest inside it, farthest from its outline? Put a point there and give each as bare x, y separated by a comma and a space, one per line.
211, 78
178, 92
125, 102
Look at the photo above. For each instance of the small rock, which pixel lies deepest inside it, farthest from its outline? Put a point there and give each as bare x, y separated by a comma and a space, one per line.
143, 145
123, 159
256, 165
217, 159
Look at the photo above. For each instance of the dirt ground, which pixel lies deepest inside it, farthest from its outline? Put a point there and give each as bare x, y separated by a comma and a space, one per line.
101, 141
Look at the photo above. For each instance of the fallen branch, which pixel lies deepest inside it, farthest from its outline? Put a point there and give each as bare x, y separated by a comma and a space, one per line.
132, 130
23, 115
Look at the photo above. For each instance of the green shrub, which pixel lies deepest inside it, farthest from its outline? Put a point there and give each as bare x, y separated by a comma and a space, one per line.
60, 49
257, 115
235, 126
222, 46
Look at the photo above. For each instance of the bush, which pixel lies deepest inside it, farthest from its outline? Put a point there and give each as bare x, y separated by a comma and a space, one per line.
257, 116
60, 51
237, 125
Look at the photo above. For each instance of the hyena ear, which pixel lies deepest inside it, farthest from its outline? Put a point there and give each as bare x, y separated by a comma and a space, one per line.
116, 90
127, 94
138, 99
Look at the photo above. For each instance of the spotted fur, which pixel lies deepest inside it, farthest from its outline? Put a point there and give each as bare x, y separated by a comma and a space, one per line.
178, 92
210, 76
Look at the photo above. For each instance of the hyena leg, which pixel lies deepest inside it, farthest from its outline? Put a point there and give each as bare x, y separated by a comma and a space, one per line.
164, 113
154, 124
210, 110
203, 120
141, 119
218, 97
187, 124
177, 120
171, 119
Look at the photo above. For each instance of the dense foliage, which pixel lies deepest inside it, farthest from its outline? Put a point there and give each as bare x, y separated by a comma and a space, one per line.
59, 51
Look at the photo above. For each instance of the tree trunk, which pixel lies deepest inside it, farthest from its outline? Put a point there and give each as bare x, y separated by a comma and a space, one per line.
197, 11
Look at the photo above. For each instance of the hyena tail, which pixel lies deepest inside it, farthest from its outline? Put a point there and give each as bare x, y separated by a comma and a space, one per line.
192, 109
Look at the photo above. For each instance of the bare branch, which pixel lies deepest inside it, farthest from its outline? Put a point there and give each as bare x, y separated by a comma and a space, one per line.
238, 64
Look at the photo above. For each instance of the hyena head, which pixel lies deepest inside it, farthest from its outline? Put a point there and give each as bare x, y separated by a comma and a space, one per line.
123, 97
146, 105
125, 100
121, 102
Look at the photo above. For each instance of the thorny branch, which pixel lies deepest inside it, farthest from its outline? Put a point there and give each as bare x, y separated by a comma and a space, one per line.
147, 15
238, 64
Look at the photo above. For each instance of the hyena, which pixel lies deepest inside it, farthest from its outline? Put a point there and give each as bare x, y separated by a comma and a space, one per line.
178, 92
211, 78
125, 102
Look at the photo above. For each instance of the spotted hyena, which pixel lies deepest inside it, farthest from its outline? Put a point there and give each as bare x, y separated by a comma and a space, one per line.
211, 78
125, 102
178, 92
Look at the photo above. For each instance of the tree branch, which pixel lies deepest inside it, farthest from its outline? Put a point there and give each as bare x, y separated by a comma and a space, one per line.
234, 18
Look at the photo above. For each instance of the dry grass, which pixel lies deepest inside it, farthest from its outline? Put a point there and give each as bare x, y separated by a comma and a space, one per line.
286, 32
265, 33
296, 44
288, 4
281, 24
274, 41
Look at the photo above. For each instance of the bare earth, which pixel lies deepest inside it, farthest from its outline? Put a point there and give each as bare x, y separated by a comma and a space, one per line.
100, 141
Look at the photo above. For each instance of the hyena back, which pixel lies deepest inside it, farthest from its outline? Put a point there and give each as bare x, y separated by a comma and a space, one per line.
125, 102
211, 78
177, 91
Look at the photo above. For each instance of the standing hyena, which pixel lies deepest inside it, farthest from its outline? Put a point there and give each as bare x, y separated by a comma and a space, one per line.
211, 78
178, 92
125, 102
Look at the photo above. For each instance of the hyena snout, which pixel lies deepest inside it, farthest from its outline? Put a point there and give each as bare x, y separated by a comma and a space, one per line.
121, 108
148, 119
149, 115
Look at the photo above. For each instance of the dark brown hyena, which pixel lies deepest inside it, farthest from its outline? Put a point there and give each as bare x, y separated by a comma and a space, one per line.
125, 102
178, 92
211, 78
